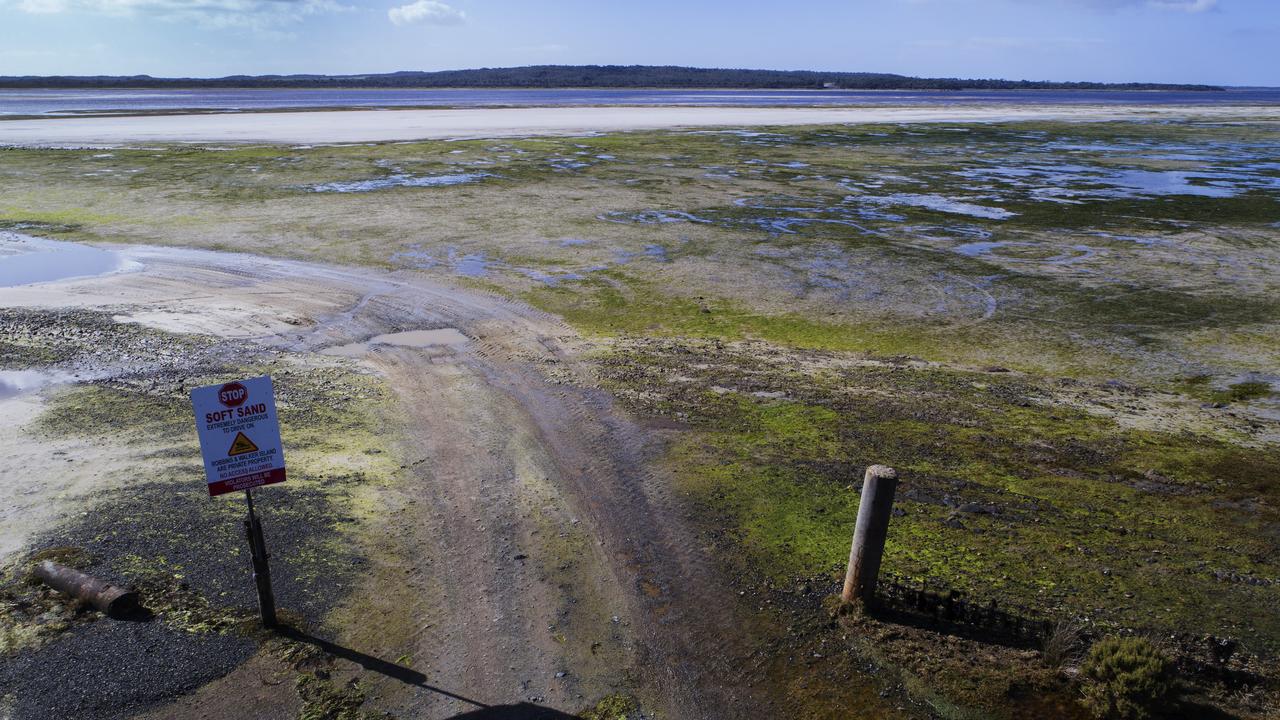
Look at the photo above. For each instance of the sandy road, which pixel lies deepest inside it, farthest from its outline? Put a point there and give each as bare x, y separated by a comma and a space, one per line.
542, 553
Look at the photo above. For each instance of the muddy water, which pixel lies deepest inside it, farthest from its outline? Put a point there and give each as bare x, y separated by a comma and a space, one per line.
25, 260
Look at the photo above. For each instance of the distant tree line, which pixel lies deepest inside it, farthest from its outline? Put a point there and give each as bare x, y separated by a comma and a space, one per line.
581, 76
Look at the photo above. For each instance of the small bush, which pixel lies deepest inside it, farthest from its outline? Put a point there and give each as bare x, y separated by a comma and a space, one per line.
1061, 646
1127, 679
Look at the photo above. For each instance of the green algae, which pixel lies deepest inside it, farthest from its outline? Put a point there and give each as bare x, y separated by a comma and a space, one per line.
324, 700
613, 707
1032, 504
1112, 315
1244, 391
627, 305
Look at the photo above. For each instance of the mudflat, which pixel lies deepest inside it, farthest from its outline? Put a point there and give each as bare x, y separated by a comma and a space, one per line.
575, 424
404, 125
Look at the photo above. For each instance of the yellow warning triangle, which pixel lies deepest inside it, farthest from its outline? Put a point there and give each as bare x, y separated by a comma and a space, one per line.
241, 445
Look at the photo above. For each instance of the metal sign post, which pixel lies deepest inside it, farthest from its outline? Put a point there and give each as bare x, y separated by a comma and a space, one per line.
261, 569
240, 441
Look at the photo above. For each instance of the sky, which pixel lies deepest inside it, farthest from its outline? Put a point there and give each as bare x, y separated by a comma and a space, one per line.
1227, 42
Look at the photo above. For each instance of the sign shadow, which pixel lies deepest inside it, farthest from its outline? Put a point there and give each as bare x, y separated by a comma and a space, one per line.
409, 676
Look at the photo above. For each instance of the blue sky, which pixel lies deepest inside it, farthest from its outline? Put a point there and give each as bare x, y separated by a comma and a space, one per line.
1214, 41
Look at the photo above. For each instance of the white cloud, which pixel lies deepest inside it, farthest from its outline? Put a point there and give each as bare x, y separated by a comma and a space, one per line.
426, 11
1193, 6
259, 14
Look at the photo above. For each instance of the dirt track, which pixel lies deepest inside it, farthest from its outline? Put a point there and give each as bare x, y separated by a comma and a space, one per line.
530, 552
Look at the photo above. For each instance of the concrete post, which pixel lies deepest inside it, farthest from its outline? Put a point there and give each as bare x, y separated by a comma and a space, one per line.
874, 511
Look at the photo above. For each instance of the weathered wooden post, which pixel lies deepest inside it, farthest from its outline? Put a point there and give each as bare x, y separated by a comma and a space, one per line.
874, 511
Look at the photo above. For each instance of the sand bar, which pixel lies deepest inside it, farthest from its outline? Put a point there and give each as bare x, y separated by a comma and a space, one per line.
400, 125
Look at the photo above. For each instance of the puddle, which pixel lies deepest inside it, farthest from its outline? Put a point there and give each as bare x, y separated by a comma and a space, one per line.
471, 265
568, 164
1060, 182
657, 252
1136, 239
401, 180
1134, 183
439, 338
466, 264
971, 233
794, 212
25, 260
978, 249
17, 382
940, 204
550, 279
651, 217
751, 137
1069, 255
716, 172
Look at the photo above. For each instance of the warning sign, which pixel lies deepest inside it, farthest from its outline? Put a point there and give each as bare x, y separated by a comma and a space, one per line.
241, 445
239, 435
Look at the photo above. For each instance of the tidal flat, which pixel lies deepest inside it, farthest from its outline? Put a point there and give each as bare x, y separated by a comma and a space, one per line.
1064, 335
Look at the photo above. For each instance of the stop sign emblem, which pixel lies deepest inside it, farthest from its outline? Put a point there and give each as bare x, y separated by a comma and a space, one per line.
232, 394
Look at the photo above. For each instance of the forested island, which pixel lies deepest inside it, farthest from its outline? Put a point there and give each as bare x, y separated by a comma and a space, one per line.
584, 76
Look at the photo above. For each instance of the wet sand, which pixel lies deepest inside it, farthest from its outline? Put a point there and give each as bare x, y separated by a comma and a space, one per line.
501, 457
404, 125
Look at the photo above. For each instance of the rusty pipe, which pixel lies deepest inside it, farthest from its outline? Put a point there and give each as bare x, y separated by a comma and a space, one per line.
116, 602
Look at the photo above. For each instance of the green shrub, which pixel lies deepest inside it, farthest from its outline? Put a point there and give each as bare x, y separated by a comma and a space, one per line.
1127, 679
613, 707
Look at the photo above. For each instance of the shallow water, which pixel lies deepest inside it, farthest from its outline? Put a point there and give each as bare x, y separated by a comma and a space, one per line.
1068, 181
25, 260
550, 279
940, 204
17, 382
68, 101
401, 180
1068, 255
466, 264
978, 249
651, 217
471, 264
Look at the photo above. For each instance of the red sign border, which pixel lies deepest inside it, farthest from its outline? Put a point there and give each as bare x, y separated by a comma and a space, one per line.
244, 482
